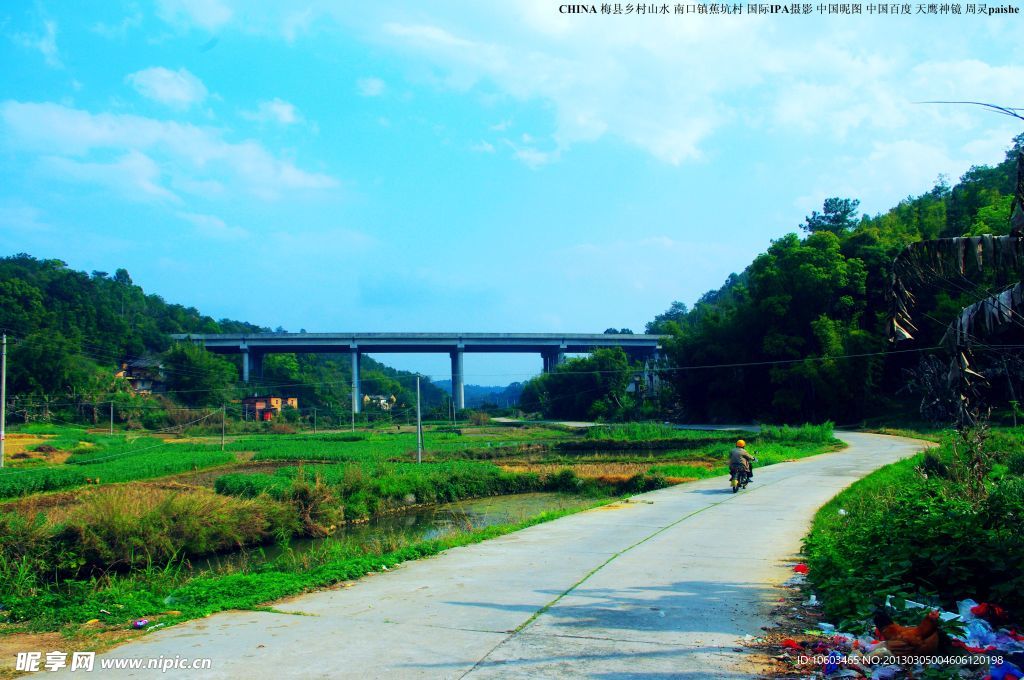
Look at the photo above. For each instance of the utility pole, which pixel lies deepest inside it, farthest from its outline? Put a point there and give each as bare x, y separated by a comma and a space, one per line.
314, 420
223, 423
111, 418
3, 400
419, 425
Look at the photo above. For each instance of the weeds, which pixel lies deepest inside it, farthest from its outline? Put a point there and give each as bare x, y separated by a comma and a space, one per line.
939, 527
819, 434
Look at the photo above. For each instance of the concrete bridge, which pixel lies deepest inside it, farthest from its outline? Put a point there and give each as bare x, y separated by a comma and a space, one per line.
551, 346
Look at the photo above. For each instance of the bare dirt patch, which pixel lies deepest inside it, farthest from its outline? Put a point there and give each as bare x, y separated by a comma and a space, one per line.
207, 478
594, 470
88, 638
26, 449
11, 644
31, 505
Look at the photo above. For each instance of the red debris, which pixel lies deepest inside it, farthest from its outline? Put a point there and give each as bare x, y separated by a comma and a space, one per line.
992, 613
801, 568
790, 643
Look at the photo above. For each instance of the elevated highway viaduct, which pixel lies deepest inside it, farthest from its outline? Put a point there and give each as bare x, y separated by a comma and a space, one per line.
551, 346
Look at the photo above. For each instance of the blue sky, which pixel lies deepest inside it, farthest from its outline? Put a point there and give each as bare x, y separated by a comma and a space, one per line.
464, 166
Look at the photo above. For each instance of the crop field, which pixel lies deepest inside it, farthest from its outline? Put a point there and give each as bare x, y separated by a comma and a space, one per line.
117, 463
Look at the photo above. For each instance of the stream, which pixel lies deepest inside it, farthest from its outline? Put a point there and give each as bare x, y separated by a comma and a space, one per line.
418, 524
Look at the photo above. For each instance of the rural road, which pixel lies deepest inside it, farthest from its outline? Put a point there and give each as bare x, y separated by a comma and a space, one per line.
663, 586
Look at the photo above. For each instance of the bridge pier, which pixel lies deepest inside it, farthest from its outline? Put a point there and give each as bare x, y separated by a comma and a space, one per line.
357, 397
252, 365
458, 380
552, 360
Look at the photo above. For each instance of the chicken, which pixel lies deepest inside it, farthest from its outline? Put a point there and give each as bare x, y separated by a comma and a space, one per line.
922, 639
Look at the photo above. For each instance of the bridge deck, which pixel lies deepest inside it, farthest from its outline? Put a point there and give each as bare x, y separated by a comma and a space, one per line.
230, 343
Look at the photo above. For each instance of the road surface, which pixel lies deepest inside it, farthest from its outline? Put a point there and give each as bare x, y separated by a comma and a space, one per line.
662, 586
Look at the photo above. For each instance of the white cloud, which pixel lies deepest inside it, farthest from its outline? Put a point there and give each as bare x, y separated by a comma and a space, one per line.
209, 15
22, 218
590, 77
213, 226
46, 43
371, 87
275, 111
482, 147
671, 87
187, 154
177, 89
134, 175
295, 23
532, 157
879, 176
120, 29
969, 79
652, 267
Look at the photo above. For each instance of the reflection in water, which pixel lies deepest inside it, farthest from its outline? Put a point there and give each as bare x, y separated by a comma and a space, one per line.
419, 524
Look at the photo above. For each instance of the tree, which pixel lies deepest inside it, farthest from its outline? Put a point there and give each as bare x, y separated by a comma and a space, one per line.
121, 276
197, 377
838, 216
592, 387
674, 314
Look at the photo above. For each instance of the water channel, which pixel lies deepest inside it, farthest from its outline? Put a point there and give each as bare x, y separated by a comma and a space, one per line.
417, 524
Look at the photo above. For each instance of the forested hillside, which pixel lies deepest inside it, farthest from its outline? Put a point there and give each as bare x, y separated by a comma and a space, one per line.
802, 333
69, 331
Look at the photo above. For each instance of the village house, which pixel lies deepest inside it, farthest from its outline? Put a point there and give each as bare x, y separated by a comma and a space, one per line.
380, 401
145, 375
265, 408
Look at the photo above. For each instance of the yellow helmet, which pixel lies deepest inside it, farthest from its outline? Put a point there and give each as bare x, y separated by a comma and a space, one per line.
741, 443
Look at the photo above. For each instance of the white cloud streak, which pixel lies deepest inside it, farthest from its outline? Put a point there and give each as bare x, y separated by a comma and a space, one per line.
134, 176
275, 111
178, 89
45, 44
209, 15
371, 87
187, 154
213, 227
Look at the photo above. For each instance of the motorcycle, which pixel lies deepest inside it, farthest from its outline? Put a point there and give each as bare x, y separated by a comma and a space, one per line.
741, 478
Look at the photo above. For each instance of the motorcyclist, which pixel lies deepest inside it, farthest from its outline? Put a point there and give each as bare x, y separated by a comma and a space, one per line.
739, 460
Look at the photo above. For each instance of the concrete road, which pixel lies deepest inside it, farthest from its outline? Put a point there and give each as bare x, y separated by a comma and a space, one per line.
665, 585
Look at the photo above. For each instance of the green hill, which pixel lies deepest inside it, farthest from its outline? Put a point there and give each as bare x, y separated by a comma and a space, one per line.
69, 332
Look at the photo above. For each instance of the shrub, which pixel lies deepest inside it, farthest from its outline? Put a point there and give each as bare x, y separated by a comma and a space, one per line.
128, 527
366, 489
633, 432
820, 434
940, 538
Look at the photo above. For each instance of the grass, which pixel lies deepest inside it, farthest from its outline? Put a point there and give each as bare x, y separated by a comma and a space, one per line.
766, 452
649, 436
390, 445
633, 432
819, 434
126, 527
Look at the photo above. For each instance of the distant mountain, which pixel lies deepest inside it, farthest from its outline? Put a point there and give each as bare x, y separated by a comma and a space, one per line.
478, 395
